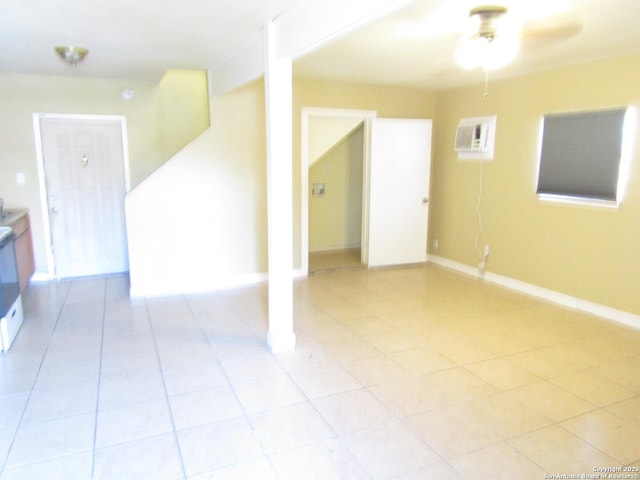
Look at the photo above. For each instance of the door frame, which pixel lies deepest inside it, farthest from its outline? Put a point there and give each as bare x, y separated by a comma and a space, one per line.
42, 184
367, 117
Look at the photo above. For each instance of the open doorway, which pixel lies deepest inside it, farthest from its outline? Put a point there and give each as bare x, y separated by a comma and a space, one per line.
334, 152
335, 202
395, 187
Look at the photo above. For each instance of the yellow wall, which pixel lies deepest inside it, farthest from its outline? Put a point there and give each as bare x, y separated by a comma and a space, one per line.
335, 218
325, 132
393, 102
588, 252
200, 221
216, 188
182, 99
23, 95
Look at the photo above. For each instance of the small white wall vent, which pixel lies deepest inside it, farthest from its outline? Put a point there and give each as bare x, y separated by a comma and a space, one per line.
475, 138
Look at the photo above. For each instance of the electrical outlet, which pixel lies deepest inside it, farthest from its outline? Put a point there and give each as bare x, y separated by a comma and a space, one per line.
436, 243
482, 265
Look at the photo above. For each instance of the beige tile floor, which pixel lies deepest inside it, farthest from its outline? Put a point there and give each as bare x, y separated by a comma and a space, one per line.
340, 259
406, 374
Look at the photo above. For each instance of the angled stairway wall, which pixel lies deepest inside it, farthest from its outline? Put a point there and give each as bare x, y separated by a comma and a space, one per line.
335, 216
199, 222
177, 111
326, 132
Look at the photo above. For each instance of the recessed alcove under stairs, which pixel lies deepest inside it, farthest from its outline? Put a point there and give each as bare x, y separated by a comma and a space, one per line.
334, 260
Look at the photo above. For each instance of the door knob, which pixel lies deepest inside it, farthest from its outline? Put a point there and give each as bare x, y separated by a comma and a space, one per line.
425, 200
54, 209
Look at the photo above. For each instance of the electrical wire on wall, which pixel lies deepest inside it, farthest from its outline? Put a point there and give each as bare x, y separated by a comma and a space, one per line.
479, 251
475, 138
486, 85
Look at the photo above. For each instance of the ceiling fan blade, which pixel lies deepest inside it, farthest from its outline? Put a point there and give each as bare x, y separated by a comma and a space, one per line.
550, 29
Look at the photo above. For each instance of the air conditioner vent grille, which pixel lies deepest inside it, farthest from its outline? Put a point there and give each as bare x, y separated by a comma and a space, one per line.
471, 137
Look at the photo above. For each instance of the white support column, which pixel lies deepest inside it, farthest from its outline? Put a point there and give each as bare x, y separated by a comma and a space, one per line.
279, 110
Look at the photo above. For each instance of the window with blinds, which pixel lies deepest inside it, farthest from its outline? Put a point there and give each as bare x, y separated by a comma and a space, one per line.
581, 154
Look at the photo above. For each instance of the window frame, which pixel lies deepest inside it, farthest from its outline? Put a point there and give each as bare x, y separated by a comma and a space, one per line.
627, 137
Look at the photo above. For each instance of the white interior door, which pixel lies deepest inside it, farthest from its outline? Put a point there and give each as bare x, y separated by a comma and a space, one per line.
399, 173
85, 181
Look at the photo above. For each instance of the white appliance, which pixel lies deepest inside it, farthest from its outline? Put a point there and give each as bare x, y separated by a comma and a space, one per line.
471, 137
10, 301
11, 323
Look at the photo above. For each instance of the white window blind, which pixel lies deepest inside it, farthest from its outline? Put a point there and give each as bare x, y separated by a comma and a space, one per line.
581, 154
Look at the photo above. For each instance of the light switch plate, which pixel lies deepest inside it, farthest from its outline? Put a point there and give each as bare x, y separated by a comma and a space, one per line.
317, 189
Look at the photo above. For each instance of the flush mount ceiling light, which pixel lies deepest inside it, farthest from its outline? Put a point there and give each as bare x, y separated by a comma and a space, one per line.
490, 43
71, 54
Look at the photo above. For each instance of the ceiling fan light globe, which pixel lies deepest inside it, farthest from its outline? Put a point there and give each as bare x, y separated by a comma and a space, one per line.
471, 52
502, 51
489, 54
494, 42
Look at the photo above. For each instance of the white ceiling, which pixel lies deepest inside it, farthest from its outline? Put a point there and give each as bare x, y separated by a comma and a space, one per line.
416, 46
140, 39
136, 39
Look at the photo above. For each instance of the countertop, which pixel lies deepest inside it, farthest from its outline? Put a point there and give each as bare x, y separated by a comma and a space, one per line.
10, 215
4, 231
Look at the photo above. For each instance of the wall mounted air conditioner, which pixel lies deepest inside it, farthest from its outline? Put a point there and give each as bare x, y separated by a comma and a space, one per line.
471, 137
475, 138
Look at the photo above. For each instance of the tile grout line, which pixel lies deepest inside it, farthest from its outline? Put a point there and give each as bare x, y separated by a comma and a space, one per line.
630, 361
235, 394
26, 404
97, 410
307, 400
222, 369
164, 386
338, 436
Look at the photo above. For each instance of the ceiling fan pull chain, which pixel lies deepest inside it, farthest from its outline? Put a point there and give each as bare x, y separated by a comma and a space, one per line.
486, 84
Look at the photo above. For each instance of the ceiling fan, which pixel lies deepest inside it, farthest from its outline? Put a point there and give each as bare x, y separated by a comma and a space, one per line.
495, 35
490, 44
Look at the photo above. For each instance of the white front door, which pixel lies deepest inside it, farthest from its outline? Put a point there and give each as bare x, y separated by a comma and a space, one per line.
400, 170
85, 182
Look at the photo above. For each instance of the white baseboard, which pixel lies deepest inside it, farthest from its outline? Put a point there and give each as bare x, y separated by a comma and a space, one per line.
246, 280
574, 303
42, 278
166, 289
212, 285
281, 341
341, 248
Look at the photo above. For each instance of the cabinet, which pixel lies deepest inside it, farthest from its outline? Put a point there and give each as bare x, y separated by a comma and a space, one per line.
21, 226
